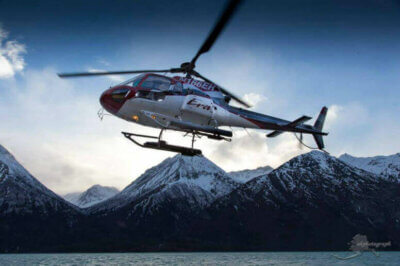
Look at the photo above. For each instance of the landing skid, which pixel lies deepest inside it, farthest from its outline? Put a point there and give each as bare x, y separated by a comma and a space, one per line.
162, 145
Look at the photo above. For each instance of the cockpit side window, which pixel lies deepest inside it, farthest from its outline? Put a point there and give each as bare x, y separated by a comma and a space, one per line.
150, 95
156, 82
197, 92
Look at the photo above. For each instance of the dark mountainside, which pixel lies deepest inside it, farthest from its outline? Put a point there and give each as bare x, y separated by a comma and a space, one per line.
32, 218
312, 202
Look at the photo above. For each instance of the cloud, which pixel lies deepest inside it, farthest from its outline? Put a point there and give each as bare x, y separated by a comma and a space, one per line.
11, 59
253, 149
254, 99
347, 115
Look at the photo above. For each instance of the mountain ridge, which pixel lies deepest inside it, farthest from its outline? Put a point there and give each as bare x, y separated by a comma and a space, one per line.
312, 202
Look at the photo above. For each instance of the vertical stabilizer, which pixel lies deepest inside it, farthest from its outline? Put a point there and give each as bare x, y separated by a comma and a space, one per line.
319, 124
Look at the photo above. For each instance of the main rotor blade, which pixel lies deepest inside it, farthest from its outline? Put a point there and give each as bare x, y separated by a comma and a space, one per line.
103, 73
229, 10
224, 91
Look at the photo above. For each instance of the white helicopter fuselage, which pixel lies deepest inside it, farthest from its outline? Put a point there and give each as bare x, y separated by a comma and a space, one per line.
189, 108
162, 102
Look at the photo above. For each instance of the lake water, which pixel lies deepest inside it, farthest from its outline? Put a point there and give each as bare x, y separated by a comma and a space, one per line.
203, 258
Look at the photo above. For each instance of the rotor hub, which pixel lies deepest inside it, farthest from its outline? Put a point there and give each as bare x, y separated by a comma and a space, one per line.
187, 67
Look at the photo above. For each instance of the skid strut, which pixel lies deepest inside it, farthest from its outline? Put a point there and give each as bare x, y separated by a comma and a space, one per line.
161, 145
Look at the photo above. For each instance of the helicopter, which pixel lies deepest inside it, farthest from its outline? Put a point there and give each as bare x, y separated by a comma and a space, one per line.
191, 103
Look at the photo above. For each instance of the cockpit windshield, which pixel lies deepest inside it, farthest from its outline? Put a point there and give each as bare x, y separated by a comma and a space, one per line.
136, 81
119, 95
156, 82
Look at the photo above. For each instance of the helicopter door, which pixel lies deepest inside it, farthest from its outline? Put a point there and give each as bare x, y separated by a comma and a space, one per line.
196, 108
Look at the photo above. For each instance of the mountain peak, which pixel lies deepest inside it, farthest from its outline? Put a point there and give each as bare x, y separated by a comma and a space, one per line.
321, 159
309, 171
100, 187
20, 192
16, 171
317, 154
176, 168
95, 194
179, 176
181, 168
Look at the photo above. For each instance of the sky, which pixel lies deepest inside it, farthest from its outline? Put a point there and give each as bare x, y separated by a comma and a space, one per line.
289, 58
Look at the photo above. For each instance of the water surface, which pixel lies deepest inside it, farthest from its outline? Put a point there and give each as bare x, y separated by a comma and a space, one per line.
202, 258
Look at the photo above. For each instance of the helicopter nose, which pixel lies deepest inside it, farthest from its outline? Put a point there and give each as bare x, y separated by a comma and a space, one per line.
108, 103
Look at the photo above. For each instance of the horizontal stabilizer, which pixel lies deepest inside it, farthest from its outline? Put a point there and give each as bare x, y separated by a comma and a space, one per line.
294, 123
299, 121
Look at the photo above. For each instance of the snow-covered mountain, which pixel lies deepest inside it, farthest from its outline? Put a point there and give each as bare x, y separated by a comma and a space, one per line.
193, 181
21, 193
312, 201
91, 196
162, 203
245, 175
385, 166
314, 176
